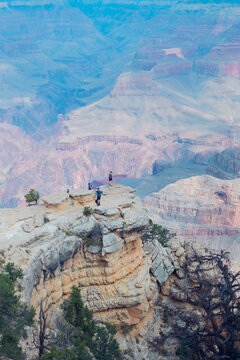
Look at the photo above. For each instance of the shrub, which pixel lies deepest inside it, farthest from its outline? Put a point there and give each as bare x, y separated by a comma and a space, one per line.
87, 211
32, 196
158, 232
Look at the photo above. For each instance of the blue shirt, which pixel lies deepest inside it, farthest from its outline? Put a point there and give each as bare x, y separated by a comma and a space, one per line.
99, 193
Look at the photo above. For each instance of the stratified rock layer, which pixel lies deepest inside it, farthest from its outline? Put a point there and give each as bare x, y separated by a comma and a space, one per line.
201, 208
59, 247
123, 280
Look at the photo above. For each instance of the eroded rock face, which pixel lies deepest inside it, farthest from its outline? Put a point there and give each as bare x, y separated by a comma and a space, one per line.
121, 279
58, 247
201, 208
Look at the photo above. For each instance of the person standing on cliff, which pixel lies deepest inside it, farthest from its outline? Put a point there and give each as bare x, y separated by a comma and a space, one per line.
99, 194
110, 178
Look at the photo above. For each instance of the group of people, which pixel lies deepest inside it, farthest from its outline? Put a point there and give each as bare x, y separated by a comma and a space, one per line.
98, 191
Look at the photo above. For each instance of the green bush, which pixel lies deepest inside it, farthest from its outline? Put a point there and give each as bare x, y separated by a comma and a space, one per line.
87, 211
32, 196
158, 232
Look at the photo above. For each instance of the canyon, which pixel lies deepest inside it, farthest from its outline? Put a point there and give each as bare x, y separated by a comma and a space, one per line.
159, 91
201, 208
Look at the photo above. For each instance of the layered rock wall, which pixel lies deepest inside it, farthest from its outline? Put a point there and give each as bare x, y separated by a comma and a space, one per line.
58, 247
201, 208
124, 281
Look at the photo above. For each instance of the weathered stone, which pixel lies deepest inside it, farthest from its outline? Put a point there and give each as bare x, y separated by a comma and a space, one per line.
107, 212
83, 197
39, 220
28, 225
161, 261
109, 240
57, 201
180, 252
135, 220
94, 249
180, 274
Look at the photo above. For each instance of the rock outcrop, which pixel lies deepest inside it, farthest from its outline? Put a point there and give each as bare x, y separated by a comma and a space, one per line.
68, 240
201, 208
58, 247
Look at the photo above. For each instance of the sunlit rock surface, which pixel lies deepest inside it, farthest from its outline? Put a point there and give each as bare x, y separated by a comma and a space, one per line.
201, 208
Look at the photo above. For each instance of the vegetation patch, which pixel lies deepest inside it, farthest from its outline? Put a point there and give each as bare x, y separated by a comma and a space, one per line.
32, 196
91, 241
87, 211
157, 232
80, 337
14, 314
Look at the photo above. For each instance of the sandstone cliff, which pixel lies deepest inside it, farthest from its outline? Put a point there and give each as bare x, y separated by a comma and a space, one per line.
201, 208
57, 246
124, 281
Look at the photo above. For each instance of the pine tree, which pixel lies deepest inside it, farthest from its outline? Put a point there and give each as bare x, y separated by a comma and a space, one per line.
14, 315
81, 338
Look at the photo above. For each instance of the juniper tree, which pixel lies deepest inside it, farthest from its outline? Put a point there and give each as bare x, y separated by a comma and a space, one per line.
157, 232
209, 328
32, 196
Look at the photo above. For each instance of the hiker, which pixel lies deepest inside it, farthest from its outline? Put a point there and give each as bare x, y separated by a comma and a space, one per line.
110, 177
99, 194
89, 186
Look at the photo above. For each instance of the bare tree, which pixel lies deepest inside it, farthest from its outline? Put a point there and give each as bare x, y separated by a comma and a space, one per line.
40, 342
209, 327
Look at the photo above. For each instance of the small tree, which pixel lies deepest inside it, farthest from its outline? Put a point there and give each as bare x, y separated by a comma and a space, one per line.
14, 315
157, 232
32, 196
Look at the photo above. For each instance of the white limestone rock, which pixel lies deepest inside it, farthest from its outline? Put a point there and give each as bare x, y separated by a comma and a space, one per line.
162, 262
55, 199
